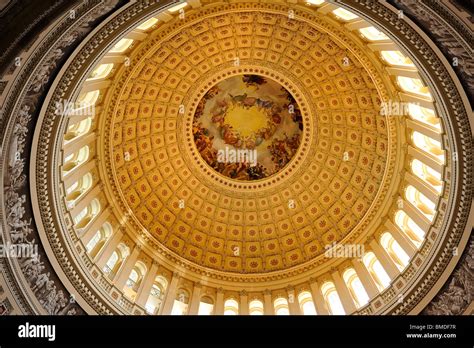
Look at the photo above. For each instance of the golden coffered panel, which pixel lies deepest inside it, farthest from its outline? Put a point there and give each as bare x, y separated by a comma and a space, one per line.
275, 223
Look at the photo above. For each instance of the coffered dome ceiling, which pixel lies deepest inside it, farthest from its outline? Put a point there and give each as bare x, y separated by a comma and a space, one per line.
330, 191
231, 149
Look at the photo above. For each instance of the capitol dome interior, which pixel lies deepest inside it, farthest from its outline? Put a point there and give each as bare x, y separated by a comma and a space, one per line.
239, 157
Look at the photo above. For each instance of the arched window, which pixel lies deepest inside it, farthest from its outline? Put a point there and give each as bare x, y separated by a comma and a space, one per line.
395, 251
373, 34
99, 239
414, 86
89, 98
78, 129
110, 265
429, 175
163, 283
281, 306
147, 24
396, 58
231, 307
177, 7
121, 46
376, 270
87, 214
180, 306
78, 188
425, 115
206, 306
256, 307
356, 289
156, 290
315, 2
93, 242
134, 280
155, 298
420, 202
428, 145
72, 187
74, 160
411, 229
116, 260
344, 14
332, 299
100, 72
306, 303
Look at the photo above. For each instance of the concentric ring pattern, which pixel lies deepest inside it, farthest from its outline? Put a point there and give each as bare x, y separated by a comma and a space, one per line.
277, 222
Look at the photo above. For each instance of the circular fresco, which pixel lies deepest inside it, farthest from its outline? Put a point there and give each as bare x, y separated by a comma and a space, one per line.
247, 127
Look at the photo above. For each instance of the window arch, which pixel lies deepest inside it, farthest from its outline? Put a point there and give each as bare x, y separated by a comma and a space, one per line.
180, 306
121, 46
396, 58
414, 86
420, 202
99, 239
281, 306
89, 98
78, 129
428, 145
344, 14
356, 289
116, 260
78, 188
315, 2
411, 229
373, 34
147, 24
376, 270
75, 159
394, 250
162, 282
177, 7
206, 306
332, 299
427, 174
155, 298
87, 214
134, 280
305, 300
231, 307
100, 72
424, 115
111, 263
256, 307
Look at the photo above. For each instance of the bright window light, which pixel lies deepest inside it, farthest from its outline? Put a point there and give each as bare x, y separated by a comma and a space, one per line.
178, 7
100, 72
396, 58
424, 115
315, 2
205, 308
344, 14
121, 46
412, 85
147, 24
373, 34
